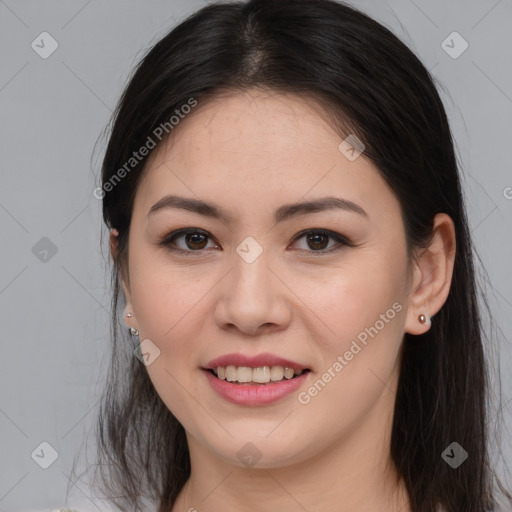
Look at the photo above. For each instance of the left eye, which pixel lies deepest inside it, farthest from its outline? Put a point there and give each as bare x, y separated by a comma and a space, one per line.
196, 240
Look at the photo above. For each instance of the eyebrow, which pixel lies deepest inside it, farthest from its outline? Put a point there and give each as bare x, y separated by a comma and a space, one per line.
283, 213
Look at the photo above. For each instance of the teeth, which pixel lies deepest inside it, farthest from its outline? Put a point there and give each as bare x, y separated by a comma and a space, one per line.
276, 373
261, 375
243, 374
288, 373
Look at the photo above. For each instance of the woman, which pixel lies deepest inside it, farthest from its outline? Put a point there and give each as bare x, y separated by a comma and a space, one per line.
295, 268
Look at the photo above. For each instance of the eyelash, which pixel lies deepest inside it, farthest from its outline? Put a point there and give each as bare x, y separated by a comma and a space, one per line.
168, 240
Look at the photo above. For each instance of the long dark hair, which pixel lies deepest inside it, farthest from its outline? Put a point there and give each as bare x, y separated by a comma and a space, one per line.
371, 85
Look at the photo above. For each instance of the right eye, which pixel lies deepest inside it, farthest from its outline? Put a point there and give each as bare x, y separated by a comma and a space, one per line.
194, 240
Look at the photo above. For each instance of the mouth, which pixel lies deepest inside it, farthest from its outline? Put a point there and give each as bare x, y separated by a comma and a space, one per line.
259, 376
251, 381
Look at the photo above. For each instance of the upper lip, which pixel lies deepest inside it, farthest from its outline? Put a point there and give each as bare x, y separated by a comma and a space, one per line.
252, 361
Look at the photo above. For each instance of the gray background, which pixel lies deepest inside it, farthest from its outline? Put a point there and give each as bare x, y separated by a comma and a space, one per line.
55, 307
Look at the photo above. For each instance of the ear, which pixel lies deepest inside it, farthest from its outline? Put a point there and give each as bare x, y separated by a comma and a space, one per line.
126, 288
432, 275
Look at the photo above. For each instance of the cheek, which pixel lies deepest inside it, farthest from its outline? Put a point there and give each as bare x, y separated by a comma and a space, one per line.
163, 295
360, 349
355, 296
167, 310
364, 310
170, 313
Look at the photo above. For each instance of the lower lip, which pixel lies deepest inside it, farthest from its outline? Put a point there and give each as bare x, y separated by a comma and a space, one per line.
258, 394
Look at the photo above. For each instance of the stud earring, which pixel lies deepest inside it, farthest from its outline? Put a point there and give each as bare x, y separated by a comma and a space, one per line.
422, 319
128, 314
134, 332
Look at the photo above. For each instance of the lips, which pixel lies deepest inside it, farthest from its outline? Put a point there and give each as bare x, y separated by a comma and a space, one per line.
252, 395
258, 361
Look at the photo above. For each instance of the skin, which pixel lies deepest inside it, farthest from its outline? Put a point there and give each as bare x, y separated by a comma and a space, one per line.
250, 153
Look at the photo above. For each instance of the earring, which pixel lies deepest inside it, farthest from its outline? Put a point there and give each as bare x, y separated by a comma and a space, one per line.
134, 332
128, 314
422, 319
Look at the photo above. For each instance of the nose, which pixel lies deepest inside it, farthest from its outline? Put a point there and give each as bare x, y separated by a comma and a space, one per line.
253, 299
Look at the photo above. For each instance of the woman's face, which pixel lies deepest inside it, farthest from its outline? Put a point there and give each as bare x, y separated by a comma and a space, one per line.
251, 284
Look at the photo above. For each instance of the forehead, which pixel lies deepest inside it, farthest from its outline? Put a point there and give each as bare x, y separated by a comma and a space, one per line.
254, 128
257, 148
